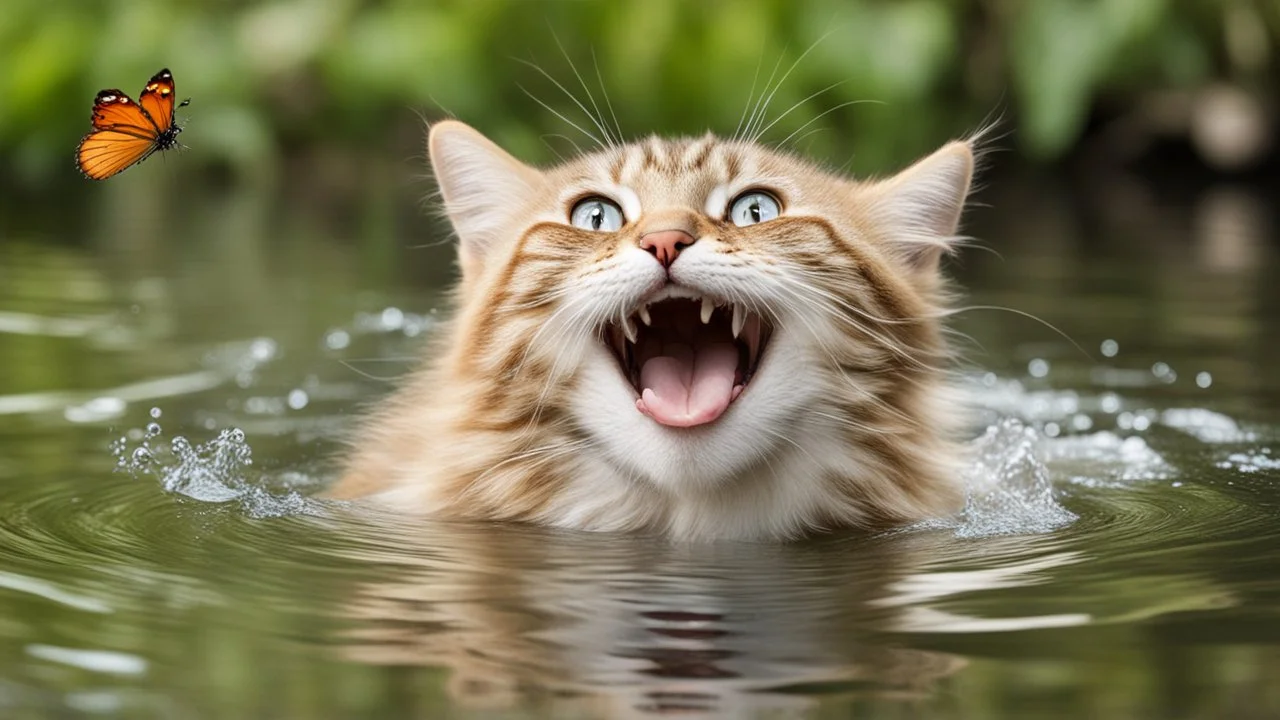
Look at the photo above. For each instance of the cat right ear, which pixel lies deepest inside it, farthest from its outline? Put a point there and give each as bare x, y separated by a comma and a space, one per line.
482, 186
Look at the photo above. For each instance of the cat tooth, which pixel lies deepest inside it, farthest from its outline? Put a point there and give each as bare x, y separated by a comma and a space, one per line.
707, 308
643, 312
629, 329
739, 319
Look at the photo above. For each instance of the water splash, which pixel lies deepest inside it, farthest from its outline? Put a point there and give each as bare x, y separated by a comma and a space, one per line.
1008, 488
217, 471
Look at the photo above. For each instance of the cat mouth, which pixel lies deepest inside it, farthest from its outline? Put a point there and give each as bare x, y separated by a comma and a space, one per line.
688, 358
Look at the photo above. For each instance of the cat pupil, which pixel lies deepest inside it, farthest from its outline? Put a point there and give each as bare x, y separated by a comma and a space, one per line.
597, 217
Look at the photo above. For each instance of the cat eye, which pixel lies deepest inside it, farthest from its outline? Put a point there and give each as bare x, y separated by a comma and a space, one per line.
752, 207
596, 214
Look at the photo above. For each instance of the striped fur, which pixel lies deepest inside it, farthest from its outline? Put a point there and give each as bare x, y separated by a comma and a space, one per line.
523, 414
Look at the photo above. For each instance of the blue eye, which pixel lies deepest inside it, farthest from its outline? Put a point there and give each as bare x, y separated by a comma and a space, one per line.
752, 207
596, 214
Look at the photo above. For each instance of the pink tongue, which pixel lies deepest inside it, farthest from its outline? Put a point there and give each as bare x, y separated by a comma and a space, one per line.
685, 387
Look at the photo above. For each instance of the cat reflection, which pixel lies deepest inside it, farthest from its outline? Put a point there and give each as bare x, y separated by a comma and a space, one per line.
599, 626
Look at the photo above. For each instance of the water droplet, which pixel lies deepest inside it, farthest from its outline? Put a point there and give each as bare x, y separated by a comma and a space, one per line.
262, 349
1110, 403
155, 413
1110, 348
141, 456
1204, 379
392, 318
298, 399
153, 429
1038, 368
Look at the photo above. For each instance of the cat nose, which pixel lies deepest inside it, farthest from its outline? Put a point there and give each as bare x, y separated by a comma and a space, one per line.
665, 245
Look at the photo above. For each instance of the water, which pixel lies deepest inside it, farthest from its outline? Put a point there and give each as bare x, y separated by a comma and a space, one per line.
179, 376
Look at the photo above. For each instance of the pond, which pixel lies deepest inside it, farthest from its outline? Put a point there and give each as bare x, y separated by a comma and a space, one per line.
183, 361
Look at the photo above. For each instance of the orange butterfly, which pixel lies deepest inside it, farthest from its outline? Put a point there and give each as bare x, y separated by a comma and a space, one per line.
126, 132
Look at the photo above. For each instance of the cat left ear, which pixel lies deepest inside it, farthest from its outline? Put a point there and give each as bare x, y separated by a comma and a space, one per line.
919, 208
483, 187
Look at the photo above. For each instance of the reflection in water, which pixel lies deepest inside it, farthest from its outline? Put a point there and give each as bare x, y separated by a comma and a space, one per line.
622, 627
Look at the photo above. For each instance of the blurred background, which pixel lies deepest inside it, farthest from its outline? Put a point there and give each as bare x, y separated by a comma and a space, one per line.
332, 82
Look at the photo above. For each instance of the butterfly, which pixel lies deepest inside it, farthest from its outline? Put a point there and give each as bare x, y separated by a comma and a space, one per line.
126, 132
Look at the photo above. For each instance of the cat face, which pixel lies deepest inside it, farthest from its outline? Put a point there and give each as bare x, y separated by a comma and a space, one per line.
694, 307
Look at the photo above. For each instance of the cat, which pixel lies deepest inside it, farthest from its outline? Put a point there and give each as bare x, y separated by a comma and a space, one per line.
702, 338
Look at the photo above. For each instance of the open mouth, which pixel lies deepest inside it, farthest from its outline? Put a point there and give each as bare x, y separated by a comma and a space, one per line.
688, 358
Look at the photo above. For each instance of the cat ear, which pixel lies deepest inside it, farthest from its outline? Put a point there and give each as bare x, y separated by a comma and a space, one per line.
918, 210
482, 186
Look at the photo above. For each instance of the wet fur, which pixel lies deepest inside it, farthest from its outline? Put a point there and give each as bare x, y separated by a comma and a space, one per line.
522, 413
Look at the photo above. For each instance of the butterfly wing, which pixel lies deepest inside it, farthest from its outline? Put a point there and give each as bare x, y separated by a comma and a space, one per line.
113, 110
124, 134
103, 153
156, 99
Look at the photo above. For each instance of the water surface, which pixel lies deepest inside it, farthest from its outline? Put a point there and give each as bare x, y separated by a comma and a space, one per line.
182, 363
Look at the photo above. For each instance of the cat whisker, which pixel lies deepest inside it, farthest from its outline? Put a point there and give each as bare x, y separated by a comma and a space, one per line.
1029, 316
823, 114
783, 79
605, 94
608, 141
598, 117
737, 132
792, 109
557, 113
756, 109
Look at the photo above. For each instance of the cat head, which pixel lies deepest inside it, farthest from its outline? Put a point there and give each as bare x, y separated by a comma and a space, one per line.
695, 306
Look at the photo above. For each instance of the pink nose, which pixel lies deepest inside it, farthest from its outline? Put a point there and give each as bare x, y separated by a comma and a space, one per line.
665, 245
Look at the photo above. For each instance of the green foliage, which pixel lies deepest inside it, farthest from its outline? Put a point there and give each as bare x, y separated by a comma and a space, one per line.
288, 76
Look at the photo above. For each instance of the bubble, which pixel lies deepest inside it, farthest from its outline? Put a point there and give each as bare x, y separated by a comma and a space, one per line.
337, 339
298, 399
153, 429
1052, 429
392, 318
263, 349
1110, 348
1109, 403
141, 456
1141, 423
1081, 422
155, 413
1038, 368
1203, 379
1160, 369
